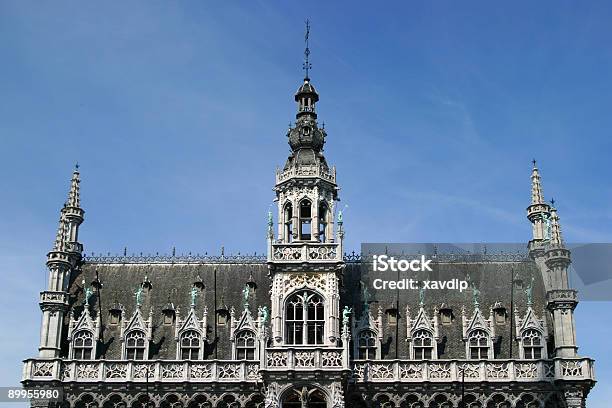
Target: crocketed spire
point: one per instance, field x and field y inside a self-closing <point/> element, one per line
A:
<point x="537" y="195"/>
<point x="556" y="237"/>
<point x="62" y="233"/>
<point x="74" y="198"/>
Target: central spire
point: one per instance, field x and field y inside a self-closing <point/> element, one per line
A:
<point x="307" y="65"/>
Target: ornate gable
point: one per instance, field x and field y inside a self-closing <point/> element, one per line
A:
<point x="530" y="321"/>
<point x="421" y="322"/>
<point x="137" y="322"/>
<point x="246" y="322"/>
<point x="84" y="322"/>
<point x="477" y="322"/>
<point x="191" y="322"/>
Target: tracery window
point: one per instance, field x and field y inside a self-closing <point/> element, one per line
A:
<point x="135" y="345"/>
<point x="478" y="343"/>
<point x="367" y="345"/>
<point x="532" y="344"/>
<point x="304" y="318"/>
<point x="245" y="345"/>
<point x="82" y="345"/>
<point x="422" y="345"/>
<point x="190" y="345"/>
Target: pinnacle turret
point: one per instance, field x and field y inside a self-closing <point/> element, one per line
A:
<point x="60" y="236"/>
<point x="539" y="211"/>
<point x="556" y="237"/>
<point x="537" y="195"/>
<point x="71" y="217"/>
<point x="74" y="199"/>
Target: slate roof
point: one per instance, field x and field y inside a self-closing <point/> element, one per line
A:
<point x="224" y="282"/>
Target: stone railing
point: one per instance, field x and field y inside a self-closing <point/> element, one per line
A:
<point x="140" y="371"/>
<point x="306" y="172"/>
<point x="475" y="371"/>
<point x="304" y="359"/>
<point x="306" y="251"/>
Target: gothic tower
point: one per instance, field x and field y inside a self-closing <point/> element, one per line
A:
<point x="548" y="250"/>
<point x="61" y="260"/>
<point x="305" y="264"/>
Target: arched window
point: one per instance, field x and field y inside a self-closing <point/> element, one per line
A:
<point x="288" y="222"/>
<point x="86" y="401"/>
<point x="422" y="345"/>
<point x="498" y="401"/>
<point x="532" y="344"/>
<point x="297" y="398"/>
<point x="367" y="345"/>
<point x="82" y="345"/>
<point x="245" y="345"/>
<point x="305" y="219"/>
<point x="190" y="345"/>
<point x="115" y="401"/>
<point x="323" y="222"/>
<point x="135" y="345"/>
<point x="304" y="318"/>
<point x="478" y="343"/>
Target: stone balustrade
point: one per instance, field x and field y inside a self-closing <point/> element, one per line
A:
<point x="140" y="371"/>
<point x="298" y="252"/>
<point x="306" y="172"/>
<point x="321" y="359"/>
<point x="304" y="359"/>
<point x="473" y="371"/>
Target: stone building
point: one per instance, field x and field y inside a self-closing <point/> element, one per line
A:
<point x="300" y="326"/>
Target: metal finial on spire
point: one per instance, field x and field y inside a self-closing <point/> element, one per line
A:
<point x="552" y="202"/>
<point x="307" y="65"/>
<point x="534" y="162"/>
<point x="76" y="166"/>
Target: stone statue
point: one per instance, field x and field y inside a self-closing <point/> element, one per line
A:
<point x="421" y="295"/>
<point x="346" y="312"/>
<point x="88" y="293"/>
<point x="366" y="297"/>
<point x="271" y="400"/>
<point x="245" y="295"/>
<point x="529" y="292"/>
<point x="475" y="294"/>
<point x="138" y="296"/>
<point x="263" y="314"/>
<point x="194" y="295"/>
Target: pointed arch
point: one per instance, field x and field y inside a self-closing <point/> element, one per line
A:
<point x="304" y="312"/>
<point x="422" y="335"/>
<point x="305" y="219"/>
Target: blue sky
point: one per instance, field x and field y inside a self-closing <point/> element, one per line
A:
<point x="177" y="113"/>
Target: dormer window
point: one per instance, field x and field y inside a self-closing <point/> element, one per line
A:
<point x="114" y="315"/>
<point x="222" y="317"/>
<point x="83" y="345"/>
<point x="391" y="317"/>
<point x="500" y="315"/>
<point x="446" y="315"/>
<point x="305" y="220"/>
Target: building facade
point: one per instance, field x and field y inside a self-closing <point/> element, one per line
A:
<point x="301" y="326"/>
